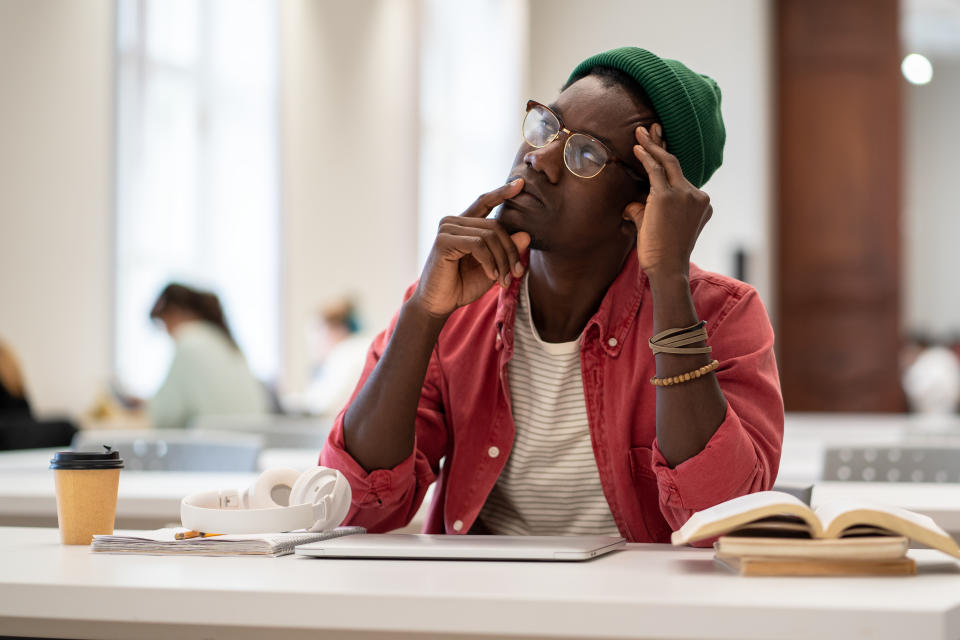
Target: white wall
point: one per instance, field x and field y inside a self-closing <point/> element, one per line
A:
<point x="729" y="41"/>
<point x="349" y="131"/>
<point x="931" y="213"/>
<point x="56" y="207"/>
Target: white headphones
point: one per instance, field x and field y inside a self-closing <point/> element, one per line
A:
<point x="280" y="500"/>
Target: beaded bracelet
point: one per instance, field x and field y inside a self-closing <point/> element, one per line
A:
<point x="685" y="377"/>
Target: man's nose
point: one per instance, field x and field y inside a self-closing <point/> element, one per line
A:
<point x="548" y="159"/>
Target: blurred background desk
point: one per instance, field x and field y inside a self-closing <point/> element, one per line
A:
<point x="808" y="436"/>
<point x="940" y="501"/>
<point x="146" y="500"/>
<point x="150" y="499"/>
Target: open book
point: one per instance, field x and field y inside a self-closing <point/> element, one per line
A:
<point x="164" y="542"/>
<point x="770" y="514"/>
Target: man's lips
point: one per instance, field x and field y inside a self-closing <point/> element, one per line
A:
<point x="525" y="199"/>
<point x="529" y="190"/>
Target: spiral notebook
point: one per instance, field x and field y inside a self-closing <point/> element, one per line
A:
<point x="164" y="542"/>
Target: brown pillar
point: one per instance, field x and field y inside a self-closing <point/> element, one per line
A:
<point x="838" y="204"/>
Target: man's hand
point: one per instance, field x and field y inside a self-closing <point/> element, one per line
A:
<point x="671" y="220"/>
<point x="469" y="255"/>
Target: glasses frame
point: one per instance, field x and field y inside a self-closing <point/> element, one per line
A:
<point x="612" y="158"/>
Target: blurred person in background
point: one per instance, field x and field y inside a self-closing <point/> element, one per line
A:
<point x="340" y="351"/>
<point x="931" y="375"/>
<point x="209" y="374"/>
<point x="18" y="428"/>
<point x="13" y="394"/>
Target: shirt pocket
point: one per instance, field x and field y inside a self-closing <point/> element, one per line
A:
<point x="647" y="492"/>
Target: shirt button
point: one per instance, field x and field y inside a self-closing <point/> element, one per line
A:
<point x="612" y="342"/>
<point x="458" y="525"/>
<point x="493" y="452"/>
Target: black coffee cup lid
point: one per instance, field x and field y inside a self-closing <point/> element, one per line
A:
<point x="87" y="459"/>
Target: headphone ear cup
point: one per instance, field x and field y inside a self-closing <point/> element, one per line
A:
<point x="329" y="487"/>
<point x="272" y="489"/>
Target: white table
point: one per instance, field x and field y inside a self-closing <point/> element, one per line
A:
<point x="645" y="591"/>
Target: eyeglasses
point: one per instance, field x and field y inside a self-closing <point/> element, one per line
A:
<point x="584" y="155"/>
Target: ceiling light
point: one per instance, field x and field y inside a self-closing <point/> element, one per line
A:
<point x="917" y="69"/>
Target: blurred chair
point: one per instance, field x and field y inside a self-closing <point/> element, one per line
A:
<point x="176" y="449"/>
<point x="23" y="432"/>
<point x="893" y="464"/>
<point x="277" y="431"/>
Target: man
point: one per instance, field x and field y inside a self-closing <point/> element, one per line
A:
<point x="549" y="408"/>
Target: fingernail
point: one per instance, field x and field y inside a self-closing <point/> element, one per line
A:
<point x="644" y="132"/>
<point x="517" y="181"/>
<point x="506" y="281"/>
<point x="518" y="269"/>
<point x="496" y="274"/>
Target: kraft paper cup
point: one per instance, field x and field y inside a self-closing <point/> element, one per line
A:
<point x="87" y="484"/>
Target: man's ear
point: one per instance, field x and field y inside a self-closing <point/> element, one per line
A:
<point x="656" y="132"/>
<point x="633" y="212"/>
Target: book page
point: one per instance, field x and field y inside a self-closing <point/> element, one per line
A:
<point x="732" y="514"/>
<point x="862" y="548"/>
<point x="841" y="515"/>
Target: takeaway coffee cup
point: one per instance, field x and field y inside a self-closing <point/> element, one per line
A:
<point x="86" y="493"/>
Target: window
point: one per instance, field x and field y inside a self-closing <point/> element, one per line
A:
<point x="197" y="175"/>
<point x="473" y="74"/>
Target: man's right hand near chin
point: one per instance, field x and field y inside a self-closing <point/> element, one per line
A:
<point x="470" y="254"/>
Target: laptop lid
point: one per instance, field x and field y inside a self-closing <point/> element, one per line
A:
<point x="453" y="547"/>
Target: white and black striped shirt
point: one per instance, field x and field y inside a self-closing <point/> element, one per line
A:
<point x="550" y="484"/>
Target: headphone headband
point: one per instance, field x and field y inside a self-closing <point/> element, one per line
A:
<point x="201" y="512"/>
<point x="320" y="497"/>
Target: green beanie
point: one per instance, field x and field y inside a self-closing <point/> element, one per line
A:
<point x="687" y="103"/>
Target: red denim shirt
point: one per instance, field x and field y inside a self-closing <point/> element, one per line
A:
<point x="464" y="418"/>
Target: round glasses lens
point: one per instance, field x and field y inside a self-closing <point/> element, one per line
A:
<point x="539" y="127"/>
<point x="585" y="157"/>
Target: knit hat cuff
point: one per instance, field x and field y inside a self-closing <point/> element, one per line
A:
<point x="672" y="101"/>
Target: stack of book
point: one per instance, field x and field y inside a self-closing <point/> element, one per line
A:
<point x="774" y="534"/>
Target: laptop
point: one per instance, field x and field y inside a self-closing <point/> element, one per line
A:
<point x="454" y="547"/>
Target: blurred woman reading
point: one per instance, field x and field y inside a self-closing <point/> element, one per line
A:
<point x="209" y="375"/>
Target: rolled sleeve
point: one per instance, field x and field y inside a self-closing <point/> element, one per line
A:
<point x="386" y="499"/>
<point x="380" y="488"/>
<point x="696" y="484"/>
<point x="743" y="455"/>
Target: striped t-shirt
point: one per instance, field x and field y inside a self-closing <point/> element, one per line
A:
<point x="550" y="484"/>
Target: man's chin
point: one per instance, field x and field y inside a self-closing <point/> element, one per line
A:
<point x="509" y="219"/>
<point x="513" y="221"/>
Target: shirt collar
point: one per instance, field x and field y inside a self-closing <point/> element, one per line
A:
<point x="613" y="319"/>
